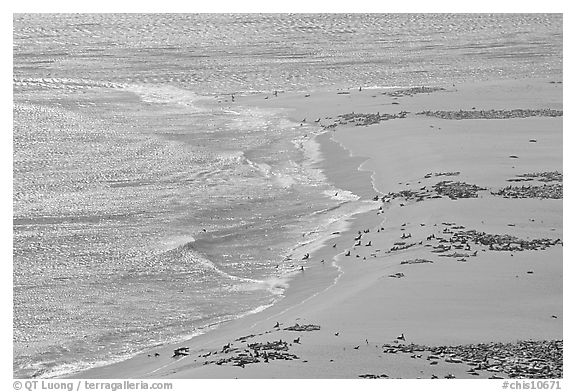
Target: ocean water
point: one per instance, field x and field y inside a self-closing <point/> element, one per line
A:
<point x="146" y="210"/>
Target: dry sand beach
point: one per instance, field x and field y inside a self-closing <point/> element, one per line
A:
<point x="455" y="272"/>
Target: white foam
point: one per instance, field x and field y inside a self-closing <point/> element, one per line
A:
<point x="64" y="83"/>
<point x="253" y="118"/>
<point x="174" y="242"/>
<point x="166" y="94"/>
<point x="71" y="368"/>
<point x="332" y="220"/>
<point x="285" y="180"/>
<point x="275" y="285"/>
<point x="263" y="168"/>
<point x="257" y="310"/>
<point x="341" y="195"/>
<point x="308" y="172"/>
<point x="211" y="266"/>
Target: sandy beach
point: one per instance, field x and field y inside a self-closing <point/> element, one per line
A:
<point x="455" y="271"/>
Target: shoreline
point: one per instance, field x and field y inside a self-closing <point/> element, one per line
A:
<point x="317" y="278"/>
<point x="353" y="305"/>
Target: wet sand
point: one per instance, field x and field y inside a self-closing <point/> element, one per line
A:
<point x="445" y="258"/>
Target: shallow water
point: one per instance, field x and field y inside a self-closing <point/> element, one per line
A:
<point x="145" y="210"/>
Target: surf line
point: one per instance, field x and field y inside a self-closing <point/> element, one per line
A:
<point x="162" y="367"/>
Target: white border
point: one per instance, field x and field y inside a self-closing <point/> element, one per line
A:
<point x="291" y="6"/>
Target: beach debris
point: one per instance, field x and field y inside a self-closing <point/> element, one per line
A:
<point x="278" y="345"/>
<point x="182" y="351"/>
<point x="409" y="92"/>
<point x="491" y="114"/>
<point x="303" y="328"/>
<point x="429" y="175"/>
<point x="548" y="191"/>
<point x="416" y="261"/>
<point x="441" y="248"/>
<point x="244" y="338"/>
<point x="401" y="247"/>
<point x="521" y="359"/>
<point x="457" y="190"/>
<point x="366" y="119"/>
<point x="453" y="190"/>
<point x="373" y="376"/>
<point x="396" y="275"/>
<point x="240" y="360"/>
<point x="542" y="177"/>
<point x="495" y="242"/>
<point x="455" y="254"/>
